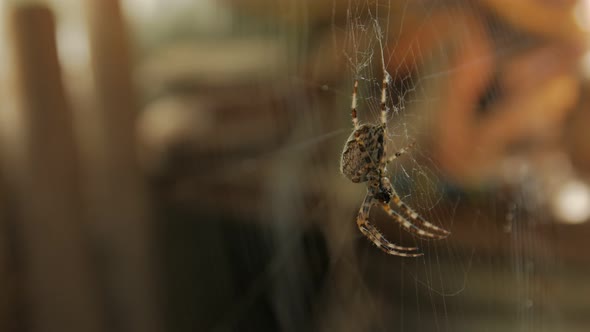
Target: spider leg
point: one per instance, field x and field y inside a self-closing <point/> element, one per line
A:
<point x="417" y="219"/>
<point x="375" y="236"/>
<point x="355" y="120"/>
<point x="400" y="153"/>
<point x="408" y="226"/>
<point x="384" y="83"/>
<point x="383" y="105"/>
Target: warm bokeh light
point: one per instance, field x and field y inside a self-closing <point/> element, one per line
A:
<point x="571" y="202"/>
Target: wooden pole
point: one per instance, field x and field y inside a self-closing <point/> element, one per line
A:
<point x="118" y="194"/>
<point x="41" y="166"/>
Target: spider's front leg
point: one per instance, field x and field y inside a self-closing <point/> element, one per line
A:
<point x="417" y="220"/>
<point x="375" y="236"/>
<point x="384" y="194"/>
<point x="410" y="227"/>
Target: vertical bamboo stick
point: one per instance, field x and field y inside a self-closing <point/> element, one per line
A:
<point x="41" y="166"/>
<point x="118" y="193"/>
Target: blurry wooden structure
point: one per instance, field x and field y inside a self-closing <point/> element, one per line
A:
<point x="83" y="245"/>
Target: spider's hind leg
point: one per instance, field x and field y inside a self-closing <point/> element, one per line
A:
<point x="353" y="106"/>
<point x="383" y="104"/>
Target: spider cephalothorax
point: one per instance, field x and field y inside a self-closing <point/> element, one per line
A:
<point x="364" y="159"/>
<point x="383" y="190"/>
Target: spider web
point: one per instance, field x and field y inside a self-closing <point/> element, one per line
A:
<point x="282" y="219"/>
<point x="417" y="298"/>
<point x="440" y="291"/>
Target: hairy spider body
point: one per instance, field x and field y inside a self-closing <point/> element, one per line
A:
<point x="356" y="157"/>
<point x="364" y="160"/>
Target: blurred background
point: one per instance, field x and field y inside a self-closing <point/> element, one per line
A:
<point x="174" y="165"/>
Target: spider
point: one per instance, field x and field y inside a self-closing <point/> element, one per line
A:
<point x="364" y="159"/>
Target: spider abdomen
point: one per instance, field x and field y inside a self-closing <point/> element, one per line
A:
<point x="360" y="160"/>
